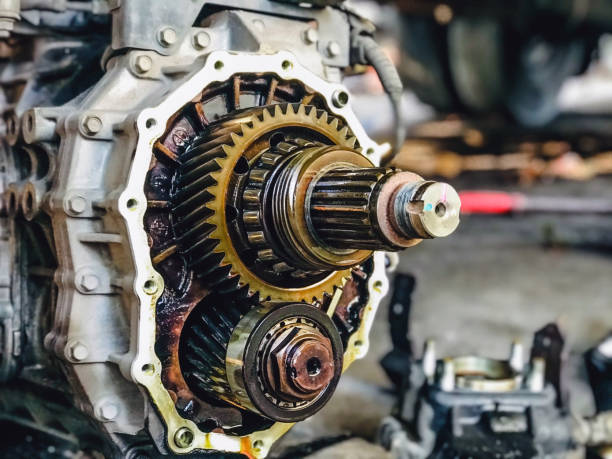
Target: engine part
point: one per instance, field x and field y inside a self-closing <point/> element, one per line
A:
<point x="193" y="235"/>
<point x="477" y="407"/>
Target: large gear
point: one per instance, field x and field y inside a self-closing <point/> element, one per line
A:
<point x="202" y="206"/>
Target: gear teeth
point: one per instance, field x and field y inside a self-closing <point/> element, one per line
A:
<point x="207" y="245"/>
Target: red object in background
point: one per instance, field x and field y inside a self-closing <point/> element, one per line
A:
<point x="490" y="202"/>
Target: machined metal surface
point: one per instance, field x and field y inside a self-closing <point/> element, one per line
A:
<point x="125" y="324"/>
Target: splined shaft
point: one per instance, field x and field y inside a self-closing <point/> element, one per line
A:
<point x="327" y="207"/>
<point x="379" y="209"/>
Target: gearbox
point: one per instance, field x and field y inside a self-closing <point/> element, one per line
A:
<point x="194" y="233"/>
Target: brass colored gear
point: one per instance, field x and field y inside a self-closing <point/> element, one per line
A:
<point x="238" y="139"/>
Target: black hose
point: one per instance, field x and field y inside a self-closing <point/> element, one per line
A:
<point x="368" y="52"/>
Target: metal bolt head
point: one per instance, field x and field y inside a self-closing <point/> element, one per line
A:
<point x="305" y="362"/>
<point x="108" y="411"/>
<point x="333" y="49"/>
<point x="143" y="64"/>
<point x="78" y="351"/>
<point x="92" y="125"/>
<point x="310" y="36"/>
<point x="201" y="40"/>
<point x="89" y="282"/>
<point x="150" y="287"/>
<point x="167" y="36"/>
<point x="340" y="98"/>
<point x="183" y="437"/>
<point x="77" y="204"/>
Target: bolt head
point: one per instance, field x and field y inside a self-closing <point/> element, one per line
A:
<point x="340" y="98"/>
<point x="310" y="36"/>
<point x="92" y="125"/>
<point x="78" y="351"/>
<point x="167" y="36"/>
<point x="108" y="411"/>
<point x="333" y="49"/>
<point x="89" y="282"/>
<point x="183" y="437"/>
<point x="143" y="64"/>
<point x="201" y="40"/>
<point x="305" y="365"/>
<point x="77" y="204"/>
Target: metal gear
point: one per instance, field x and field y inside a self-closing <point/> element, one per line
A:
<point x="213" y="162"/>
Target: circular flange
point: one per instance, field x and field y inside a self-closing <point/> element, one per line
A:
<point x="256" y="355"/>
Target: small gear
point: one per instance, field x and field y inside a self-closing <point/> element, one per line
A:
<point x="204" y="218"/>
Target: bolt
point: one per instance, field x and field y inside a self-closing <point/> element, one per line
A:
<point x="108" y="411"/>
<point x="77" y="204"/>
<point x="183" y="437"/>
<point x="92" y="125"/>
<point x="78" y="351"/>
<point x="167" y="36"/>
<point x="340" y="98"/>
<point x="89" y="282"/>
<point x="310" y="36"/>
<point x="201" y="40"/>
<point x="333" y="49"/>
<point x="143" y="64"/>
<point x="305" y="361"/>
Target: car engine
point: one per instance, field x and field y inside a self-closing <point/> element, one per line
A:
<point x="194" y="222"/>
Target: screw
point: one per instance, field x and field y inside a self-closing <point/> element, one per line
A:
<point x="78" y="351"/>
<point x="143" y="64"/>
<point x="77" y="204"/>
<point x="310" y="36"/>
<point x="89" y="282"/>
<point x="108" y="411"/>
<point x="201" y="40"/>
<point x="183" y="437"/>
<point x="167" y="36"/>
<point x="333" y="49"/>
<point x="340" y="98"/>
<point x="92" y="125"/>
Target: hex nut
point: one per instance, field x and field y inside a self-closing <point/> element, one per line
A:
<point x="143" y="63"/>
<point x="92" y="125"/>
<point x="201" y="40"/>
<point x="78" y="351"/>
<point x="167" y="36"/>
<point x="89" y="282"/>
<point x="77" y="204"/>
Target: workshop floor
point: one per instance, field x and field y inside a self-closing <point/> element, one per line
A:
<point x="496" y="280"/>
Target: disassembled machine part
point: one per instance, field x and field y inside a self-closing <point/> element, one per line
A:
<point x="477" y="407"/>
<point x="193" y="235"/>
